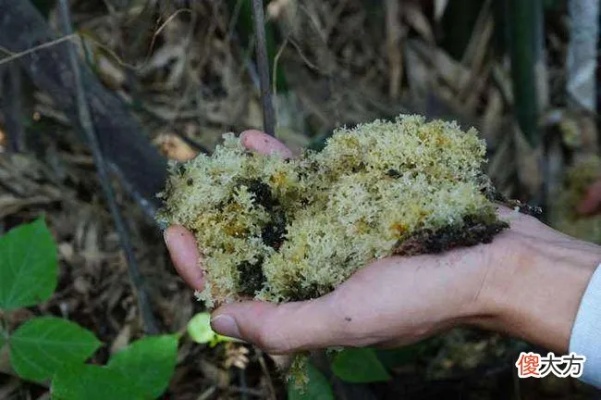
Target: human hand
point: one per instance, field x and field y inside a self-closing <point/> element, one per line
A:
<point x="591" y="203"/>
<point x="527" y="283"/>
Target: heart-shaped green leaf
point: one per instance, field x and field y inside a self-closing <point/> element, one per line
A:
<point x="152" y="359"/>
<point x="28" y="266"/>
<point x="199" y="328"/>
<point x="92" y="382"/>
<point x="42" y="346"/>
<point x="359" y="365"/>
<point x="392" y="358"/>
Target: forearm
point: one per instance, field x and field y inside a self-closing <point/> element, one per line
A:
<point x="536" y="291"/>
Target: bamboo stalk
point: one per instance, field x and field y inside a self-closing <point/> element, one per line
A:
<point x="525" y="28"/>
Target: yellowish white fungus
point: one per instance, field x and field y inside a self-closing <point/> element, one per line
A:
<point x="282" y="230"/>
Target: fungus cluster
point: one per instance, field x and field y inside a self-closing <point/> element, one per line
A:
<point x="283" y="230"/>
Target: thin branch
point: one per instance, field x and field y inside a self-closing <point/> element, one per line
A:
<point x="276" y="60"/>
<point x="85" y="120"/>
<point x="14" y="56"/>
<point x="267" y="374"/>
<point x="243" y="386"/>
<point x="263" y="65"/>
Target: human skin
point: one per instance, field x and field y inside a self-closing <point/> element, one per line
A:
<point x="527" y="283"/>
<point x="591" y="203"/>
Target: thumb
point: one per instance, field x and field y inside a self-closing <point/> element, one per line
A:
<point x="284" y="328"/>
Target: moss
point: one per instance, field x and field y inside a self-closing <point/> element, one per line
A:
<point x="311" y="291"/>
<point x="283" y="230"/>
<point x="261" y="192"/>
<point x="274" y="231"/>
<point x="251" y="278"/>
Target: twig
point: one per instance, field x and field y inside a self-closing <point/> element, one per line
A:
<point x="267" y="374"/>
<point x="394" y="34"/>
<point x="276" y="60"/>
<point x="85" y="120"/>
<point x="14" y="56"/>
<point x="263" y="65"/>
<point x="243" y="386"/>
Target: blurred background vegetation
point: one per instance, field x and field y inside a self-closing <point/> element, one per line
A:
<point x="166" y="78"/>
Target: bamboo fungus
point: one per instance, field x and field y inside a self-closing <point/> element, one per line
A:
<point x="282" y="230"/>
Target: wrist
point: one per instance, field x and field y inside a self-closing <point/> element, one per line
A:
<point x="536" y="287"/>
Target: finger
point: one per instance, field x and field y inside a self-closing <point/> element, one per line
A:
<point x="592" y="200"/>
<point x="284" y="328"/>
<point x="263" y="143"/>
<point x="184" y="254"/>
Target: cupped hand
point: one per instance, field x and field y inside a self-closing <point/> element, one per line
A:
<point x="401" y="300"/>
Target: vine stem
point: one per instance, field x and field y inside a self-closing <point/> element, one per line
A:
<point x="86" y="124"/>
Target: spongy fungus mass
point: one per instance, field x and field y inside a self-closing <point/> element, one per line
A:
<point x="283" y="230"/>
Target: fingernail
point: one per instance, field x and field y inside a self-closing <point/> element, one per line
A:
<point x="225" y="325"/>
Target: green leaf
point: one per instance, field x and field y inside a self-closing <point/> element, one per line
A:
<point x="393" y="358"/>
<point x="152" y="360"/>
<point x="28" y="266"/>
<point x="92" y="382"/>
<point x="318" y="387"/>
<point x="359" y="365"/>
<point x="42" y="346"/>
<point x="199" y="328"/>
